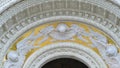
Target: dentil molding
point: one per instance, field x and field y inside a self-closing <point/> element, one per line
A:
<point x="20" y="17"/>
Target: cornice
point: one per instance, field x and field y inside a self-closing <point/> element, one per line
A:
<point x="4" y="4"/>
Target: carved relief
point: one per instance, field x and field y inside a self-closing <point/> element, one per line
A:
<point x="40" y="15"/>
<point x="63" y="31"/>
<point x="108" y="52"/>
<point x="60" y="5"/>
<point x="16" y="59"/>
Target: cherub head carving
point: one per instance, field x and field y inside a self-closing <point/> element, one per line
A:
<point x="12" y="56"/>
<point x="111" y="50"/>
<point x="62" y="27"/>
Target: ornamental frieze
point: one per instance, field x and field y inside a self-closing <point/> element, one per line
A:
<point x="43" y="35"/>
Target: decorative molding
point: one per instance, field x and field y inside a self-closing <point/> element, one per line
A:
<point x="59" y="33"/>
<point x="112" y="27"/>
<point x="62" y="50"/>
<point x="87" y="4"/>
<point x="16" y="58"/>
<point x="56" y="18"/>
<point x="4" y="4"/>
<point x="115" y="2"/>
<point x="108" y="52"/>
<point x="14" y="22"/>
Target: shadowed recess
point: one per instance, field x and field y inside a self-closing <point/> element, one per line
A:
<point x="65" y="63"/>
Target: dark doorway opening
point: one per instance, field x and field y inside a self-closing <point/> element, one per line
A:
<point x="65" y="63"/>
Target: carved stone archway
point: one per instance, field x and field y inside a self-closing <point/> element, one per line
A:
<point x="19" y="16"/>
<point x="65" y="50"/>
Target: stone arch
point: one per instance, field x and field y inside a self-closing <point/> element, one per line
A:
<point x="14" y="22"/>
<point x="65" y="50"/>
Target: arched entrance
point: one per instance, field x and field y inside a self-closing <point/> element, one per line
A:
<point x="65" y="63"/>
